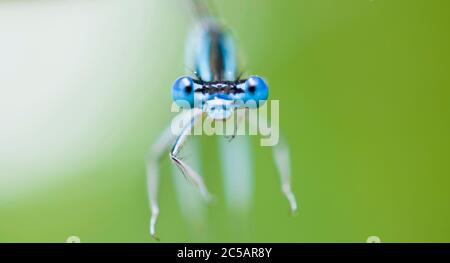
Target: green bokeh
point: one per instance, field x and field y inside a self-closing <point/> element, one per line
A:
<point x="364" y="100"/>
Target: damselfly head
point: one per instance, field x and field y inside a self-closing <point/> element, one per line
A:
<point x="220" y="98"/>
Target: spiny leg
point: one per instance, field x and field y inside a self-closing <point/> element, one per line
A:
<point x="281" y="157"/>
<point x="185" y="169"/>
<point x="236" y="121"/>
<point x="154" y="156"/>
<point x="231" y="137"/>
<point x="191" y="203"/>
<point x="153" y="159"/>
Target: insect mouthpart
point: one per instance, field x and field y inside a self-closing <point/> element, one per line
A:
<point x="219" y="109"/>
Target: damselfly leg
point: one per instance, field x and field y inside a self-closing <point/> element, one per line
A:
<point x="157" y="151"/>
<point x="281" y="157"/>
<point x="185" y="169"/>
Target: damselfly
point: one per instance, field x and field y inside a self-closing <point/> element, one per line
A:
<point x="215" y="92"/>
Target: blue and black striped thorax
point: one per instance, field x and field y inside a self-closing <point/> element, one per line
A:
<point x="215" y="58"/>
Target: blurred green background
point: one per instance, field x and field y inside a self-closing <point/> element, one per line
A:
<point x="364" y="100"/>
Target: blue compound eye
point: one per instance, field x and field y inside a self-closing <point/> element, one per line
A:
<point x="183" y="92"/>
<point x="256" y="91"/>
